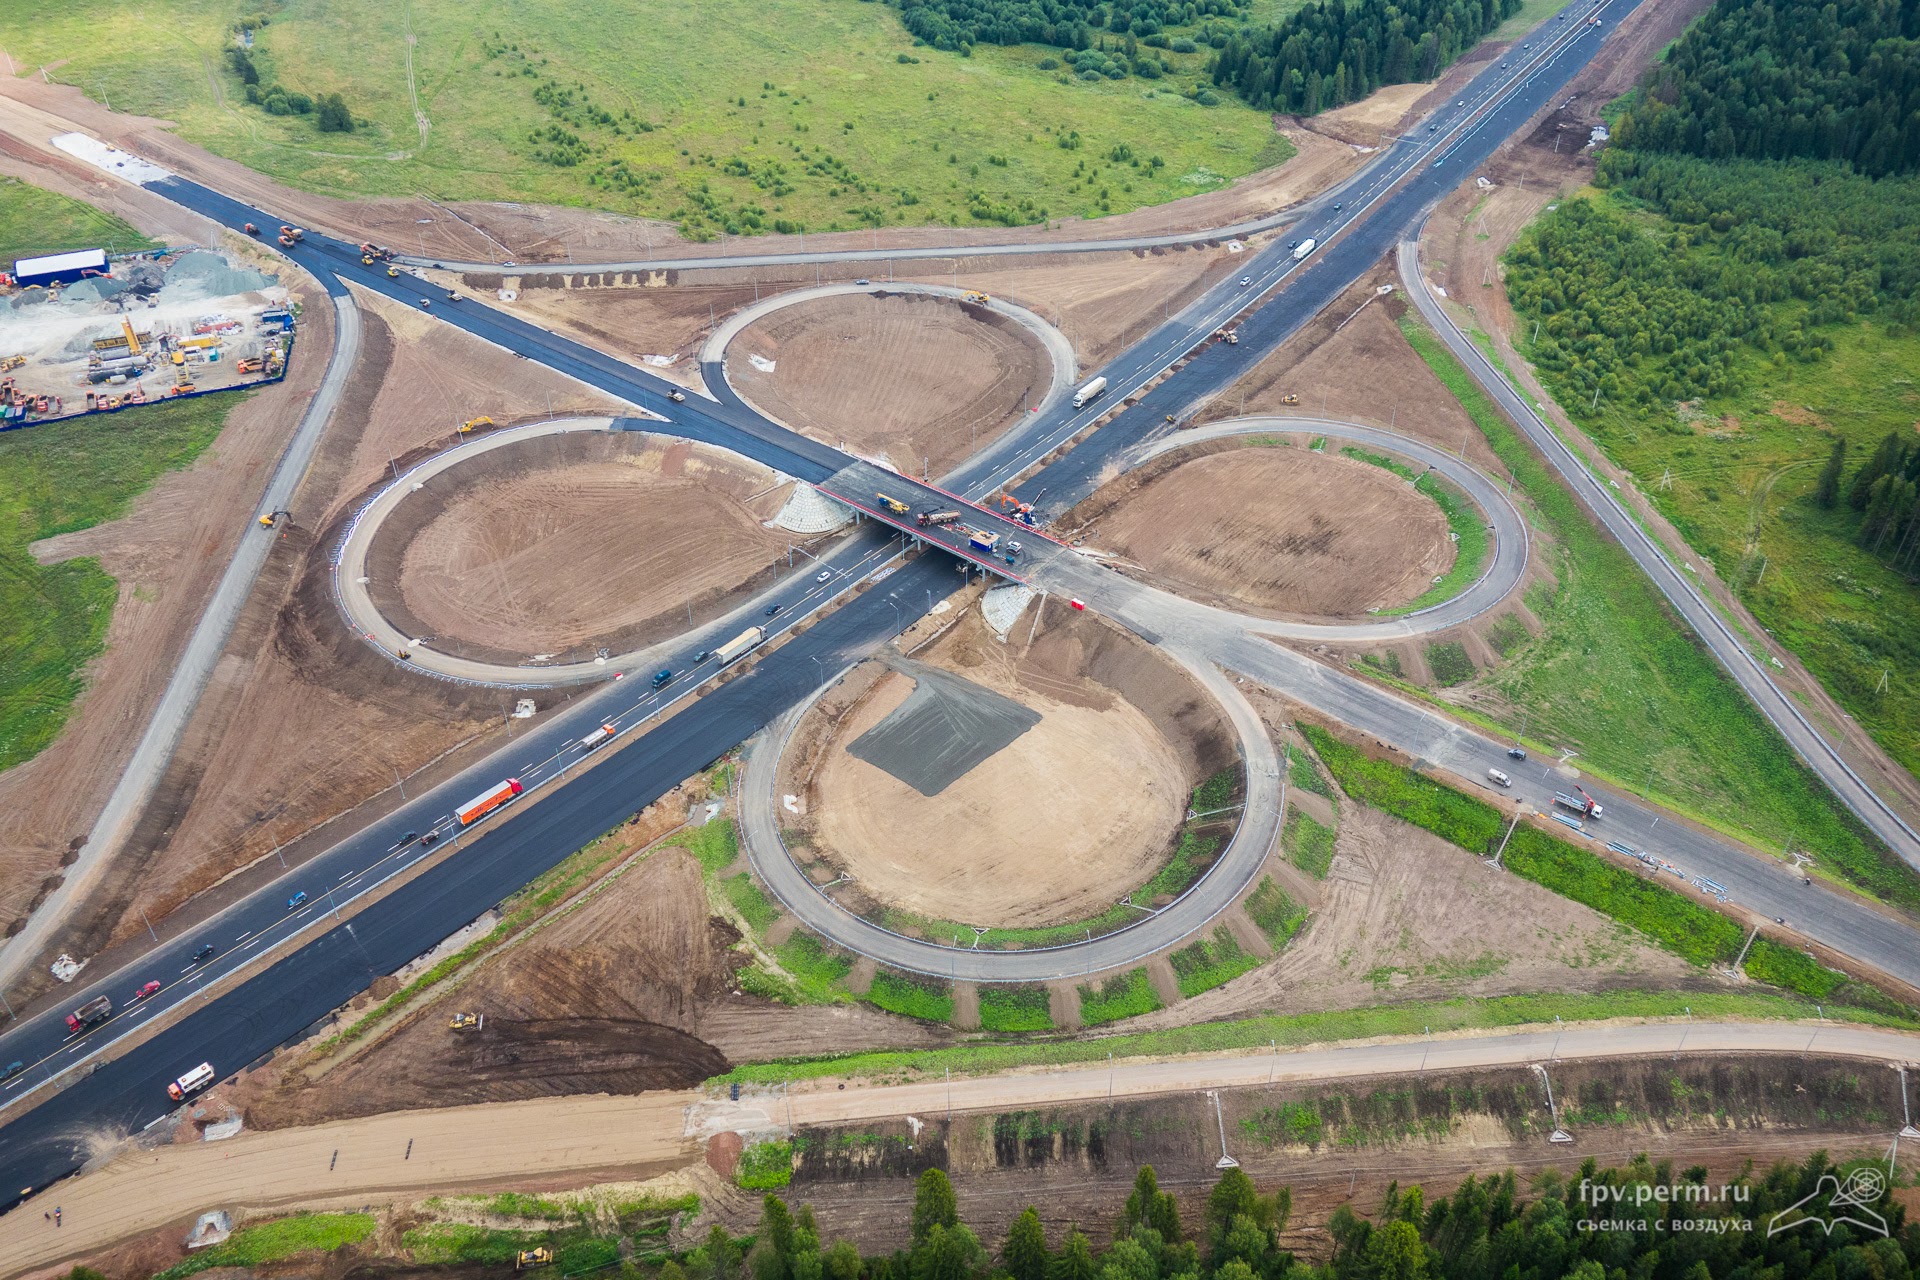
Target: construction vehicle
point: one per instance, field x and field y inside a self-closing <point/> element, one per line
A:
<point x="12" y="362"/>
<point x="286" y="242"/>
<point x="1230" y="336"/>
<point x="1290" y="399"/>
<point x="1088" y="392"/>
<point x="251" y="229"/>
<point x="92" y="1013"/>
<point x="184" y="387"/>
<point x="930" y="519"/>
<point x="393" y="273"/>
<point x="1584" y="805"/>
<point x="471" y="423"/>
<point x="598" y="738"/>
<point x="250" y="364"/>
<point x="740" y="646"/>
<point x="296" y="233"/>
<point x="974" y="296"/>
<point x="366" y="259"/>
<point x="133" y="339"/>
<point x="487" y="801"/>
<point x="464" y="1022"/>
<point x="1305" y="247"/>
<point x="894" y="505"/>
<point x="532" y="1258"/>
<point x="272" y="518"/>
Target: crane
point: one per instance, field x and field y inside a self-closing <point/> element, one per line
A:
<point x="133" y="343"/>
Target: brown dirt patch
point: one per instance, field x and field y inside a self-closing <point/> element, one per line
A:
<point x="1101" y="783"/>
<point x="918" y="379"/>
<point x="643" y="317"/>
<point x="562" y="544"/>
<point x="1365" y="122"/>
<point x="1277" y="531"/>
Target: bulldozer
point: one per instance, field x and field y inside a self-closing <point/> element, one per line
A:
<point x="974" y="296"/>
<point x="539" y="1257"/>
<point x="1292" y="399"/>
<point x="464" y="1022"/>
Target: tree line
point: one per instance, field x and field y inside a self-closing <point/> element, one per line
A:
<point x="1338" y="51"/>
<point x="1885" y="491"/>
<point x="957" y="25"/>
<point x="1779" y="79"/>
<point x="1682" y="1228"/>
<point x="329" y="110"/>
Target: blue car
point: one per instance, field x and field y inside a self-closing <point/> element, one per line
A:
<point x="297" y="900"/>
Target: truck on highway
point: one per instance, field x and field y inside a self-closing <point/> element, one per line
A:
<point x="740" y="646"/>
<point x="487" y="801"/>
<point x="894" y="505"/>
<point x="929" y="519"/>
<point x="1583" y="804"/>
<point x="1302" y="249"/>
<point x="598" y="738"/>
<point x="983" y="541"/>
<point x="191" y="1083"/>
<point x="93" y="1011"/>
<point x="1088" y="392"/>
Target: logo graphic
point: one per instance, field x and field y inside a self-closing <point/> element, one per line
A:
<point x="1838" y="1202"/>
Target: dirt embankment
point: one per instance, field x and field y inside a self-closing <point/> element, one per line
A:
<point x="1337" y="1145"/>
<point x="1101" y="782"/>
<point x="1274" y="528"/>
<point x="919" y="380"/>
<point x="556" y="546"/>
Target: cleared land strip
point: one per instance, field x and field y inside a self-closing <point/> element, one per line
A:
<point x="509" y="1144"/>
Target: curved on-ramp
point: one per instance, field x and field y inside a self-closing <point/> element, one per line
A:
<point x="1230" y="874"/>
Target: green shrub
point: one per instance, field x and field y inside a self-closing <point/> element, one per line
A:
<point x="1015" y="1008"/>
<point x="1302" y="772"/>
<point x="1277" y="914"/>
<point x="818" y="974"/>
<point x="715" y="844"/>
<point x="1450" y="663"/>
<point x="758" y="910"/>
<point x="282" y="1238"/>
<point x="1125" y="995"/>
<point x="765" y="1166"/>
<point x="1203" y="965"/>
<point x="1308" y="845"/>
<point x="1455" y="818"/>
<point x="1218" y="791"/>
<point x="927" y="999"/>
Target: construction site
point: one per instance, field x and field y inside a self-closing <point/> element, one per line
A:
<point x="136" y="329"/>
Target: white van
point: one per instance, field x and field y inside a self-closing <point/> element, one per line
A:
<point x="1499" y="778"/>
<point x="192" y="1082"/>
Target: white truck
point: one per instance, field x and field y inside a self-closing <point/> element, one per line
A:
<point x="1088" y="392"/>
<point x="1302" y="249"/>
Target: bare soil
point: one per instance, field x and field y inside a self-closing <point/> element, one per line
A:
<point x="1101" y="783"/>
<point x="562" y="544"/>
<point x="1279" y="531"/>
<point x="918" y="380"/>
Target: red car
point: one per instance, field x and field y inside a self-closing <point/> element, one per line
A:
<point x="152" y="988"/>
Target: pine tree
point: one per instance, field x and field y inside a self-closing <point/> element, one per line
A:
<point x="1075" y="1261"/>
<point x="934" y="1205"/>
<point x="1827" y="492"/>
<point x="1025" y="1252"/>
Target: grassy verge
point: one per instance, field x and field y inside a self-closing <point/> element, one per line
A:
<point x="754" y="906"/>
<point x="1303" y="773"/>
<point x="844" y="121"/>
<point x="1205" y="963"/>
<point x="273" y="1241"/>
<point x="928" y="999"/>
<point x="1614" y="676"/>
<point x="34" y="221"/>
<point x="1275" y="912"/>
<point x="1307" y="844"/>
<point x="1465" y="522"/>
<point x="1015" y="1008"/>
<point x="1125" y="995"/>
<point x="1463" y="1014"/>
<point x="55" y="479"/>
<point x="1670" y="920"/>
<point x="765" y="1166"/>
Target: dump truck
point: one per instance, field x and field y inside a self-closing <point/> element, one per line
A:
<point x="1088" y="392"/>
<point x="487" y="801"/>
<point x="894" y="505"/>
<point x="598" y="738"/>
<point x="983" y="541"/>
<point x="1302" y="249"/>
<point x="1583" y="804"/>
<point x="930" y="519"/>
<point x="96" y="1010"/>
<point x="740" y="646"/>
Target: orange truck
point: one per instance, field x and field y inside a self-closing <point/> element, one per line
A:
<point x="487" y="801"/>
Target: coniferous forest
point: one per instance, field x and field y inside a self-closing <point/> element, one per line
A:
<point x="1491" y="1229"/>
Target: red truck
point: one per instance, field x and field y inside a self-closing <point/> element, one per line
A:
<point x="94" y="1011"/>
<point x="487" y="801"/>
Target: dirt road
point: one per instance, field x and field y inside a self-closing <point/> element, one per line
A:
<point x="356" y="1161"/>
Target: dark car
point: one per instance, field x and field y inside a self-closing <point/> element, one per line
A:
<point x="702" y="656"/>
<point x="149" y="989"/>
<point x="661" y="676"/>
<point x="297" y="900"/>
<point x="409" y="838"/>
<point x="773" y="609"/>
<point x="1516" y="753"/>
<point x="430" y="839"/>
<point x="1336" y="208"/>
<point x="206" y="952"/>
<point x="13" y="1069"/>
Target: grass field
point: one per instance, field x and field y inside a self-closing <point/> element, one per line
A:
<point x="54" y="479"/>
<point x="271" y="1241"/>
<point x="34" y="220"/>
<point x="1614" y="678"/>
<point x="727" y="114"/>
